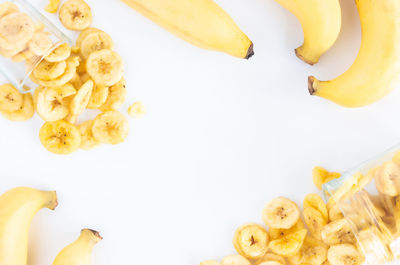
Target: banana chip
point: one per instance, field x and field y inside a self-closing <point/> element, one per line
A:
<point x="59" y="54"/>
<point x="116" y="96"/>
<point x="81" y="98"/>
<point x="288" y="245"/>
<point x="338" y="232"/>
<point x="387" y="179"/>
<point x="105" y="67"/>
<point x="344" y="254"/>
<point x="313" y="252"/>
<point x="52" y="6"/>
<point x="281" y="213"/>
<point x="87" y="139"/>
<point x="60" y="137"/>
<point x="321" y="176"/>
<point x="7" y="8"/>
<point x="137" y="110"/>
<point x="209" y="262"/>
<point x="235" y="260"/>
<point x="24" y="113"/>
<point x="251" y="241"/>
<point x="16" y="29"/>
<point x="10" y="98"/>
<point x="75" y="15"/>
<point x="315" y="201"/>
<point x="40" y="44"/>
<point x="271" y="259"/>
<point x="69" y="73"/>
<point x="95" y="41"/>
<point x="110" y="127"/>
<point x="315" y="221"/>
<point x="275" y="233"/>
<point x="47" y="71"/>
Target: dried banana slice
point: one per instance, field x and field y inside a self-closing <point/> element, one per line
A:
<point x="23" y="56"/>
<point x="344" y="254"/>
<point x="7" y="8"/>
<point x="10" y="98"/>
<point x="275" y="233"/>
<point x="209" y="262"/>
<point x="81" y="98"/>
<point x="334" y="211"/>
<point x="313" y="252"/>
<point x="69" y="73"/>
<point x="75" y="15"/>
<point x="76" y="81"/>
<point x="49" y="71"/>
<point x="315" y="201"/>
<point x="321" y="176"/>
<point x="60" y="137"/>
<point x="40" y="44"/>
<point x="271" y="259"/>
<point x="338" y="232"/>
<point x="24" y="113"/>
<point x="235" y="260"/>
<point x="137" y="110"/>
<point x="50" y="105"/>
<point x="288" y="245"/>
<point x="116" y="96"/>
<point x="281" y="213"/>
<point x="84" y="34"/>
<point x="59" y="54"/>
<point x="105" y="67"/>
<point x="95" y="41"/>
<point x="16" y="29"/>
<point x="110" y="127"/>
<point x="52" y="6"/>
<point x="99" y="94"/>
<point x="315" y="221"/>
<point x="387" y="179"/>
<point x="9" y="53"/>
<point x="251" y="241"/>
<point x="87" y="139"/>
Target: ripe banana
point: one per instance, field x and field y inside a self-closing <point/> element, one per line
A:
<point x="80" y="251"/>
<point x="321" y="22"/>
<point x="376" y="70"/>
<point x="17" y="208"/>
<point x="199" y="22"/>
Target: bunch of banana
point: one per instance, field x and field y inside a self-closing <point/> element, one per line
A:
<point x="199" y="22"/>
<point x="18" y="206"/>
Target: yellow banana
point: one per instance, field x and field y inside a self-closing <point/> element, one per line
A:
<point x="321" y="22"/>
<point x="80" y="251"/>
<point x="199" y="22"/>
<point x="376" y="69"/>
<point x="17" y="208"/>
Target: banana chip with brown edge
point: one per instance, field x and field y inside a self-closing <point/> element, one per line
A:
<point x="288" y="245"/>
<point x="24" y="113"/>
<point x="10" y="98"/>
<point x="60" y="137"/>
<point x="110" y="127"/>
<point x="75" y="15"/>
<point x="251" y="241"/>
<point x="105" y="67"/>
<point x="281" y="213"/>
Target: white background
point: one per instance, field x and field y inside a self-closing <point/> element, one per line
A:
<point x="221" y="138"/>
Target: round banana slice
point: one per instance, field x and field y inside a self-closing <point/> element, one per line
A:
<point x="75" y="15"/>
<point x="387" y="179"/>
<point x="209" y="262"/>
<point x="23" y="56"/>
<point x="105" y="67"/>
<point x="40" y="44"/>
<point x="275" y="233"/>
<point x="235" y="260"/>
<point x="288" y="245"/>
<point x="281" y="213"/>
<point x="270" y="257"/>
<point x="36" y="93"/>
<point x="84" y="34"/>
<point x="52" y="6"/>
<point x="76" y="81"/>
<point x="49" y="71"/>
<point x="334" y="211"/>
<point x="116" y="96"/>
<point x="81" y="99"/>
<point x="9" y="53"/>
<point x="251" y="241"/>
<point x="313" y="252"/>
<point x="321" y="176"/>
<point x="16" y="29"/>
<point x="50" y="105"/>
<point x="60" y="137"/>
<point x="137" y="110"/>
<point x="95" y="41"/>
<point x="24" y="113"/>
<point x="99" y="94"/>
<point x="87" y="139"/>
<point x="59" y="54"/>
<point x="10" y="98"/>
<point x="110" y="127"/>
<point x="7" y="8"/>
<point x="337" y="232"/>
<point x="344" y="254"/>
<point x="315" y="201"/>
<point x="69" y="73"/>
<point x="314" y="221"/>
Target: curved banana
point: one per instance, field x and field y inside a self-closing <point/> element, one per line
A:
<point x="80" y="251"/>
<point x="199" y="22"/>
<point x="376" y="69"/>
<point x="321" y="22"/>
<point x="17" y="208"/>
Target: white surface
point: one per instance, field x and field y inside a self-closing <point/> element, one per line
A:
<point x="222" y="137"/>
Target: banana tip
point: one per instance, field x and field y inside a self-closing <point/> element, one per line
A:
<point x="301" y="57"/>
<point x="54" y="201"/>
<point x="311" y="88"/>
<point x="95" y="233"/>
<point x="250" y="51"/>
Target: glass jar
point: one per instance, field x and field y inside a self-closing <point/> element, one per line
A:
<point x="368" y="195"/>
<point x="21" y="53"/>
